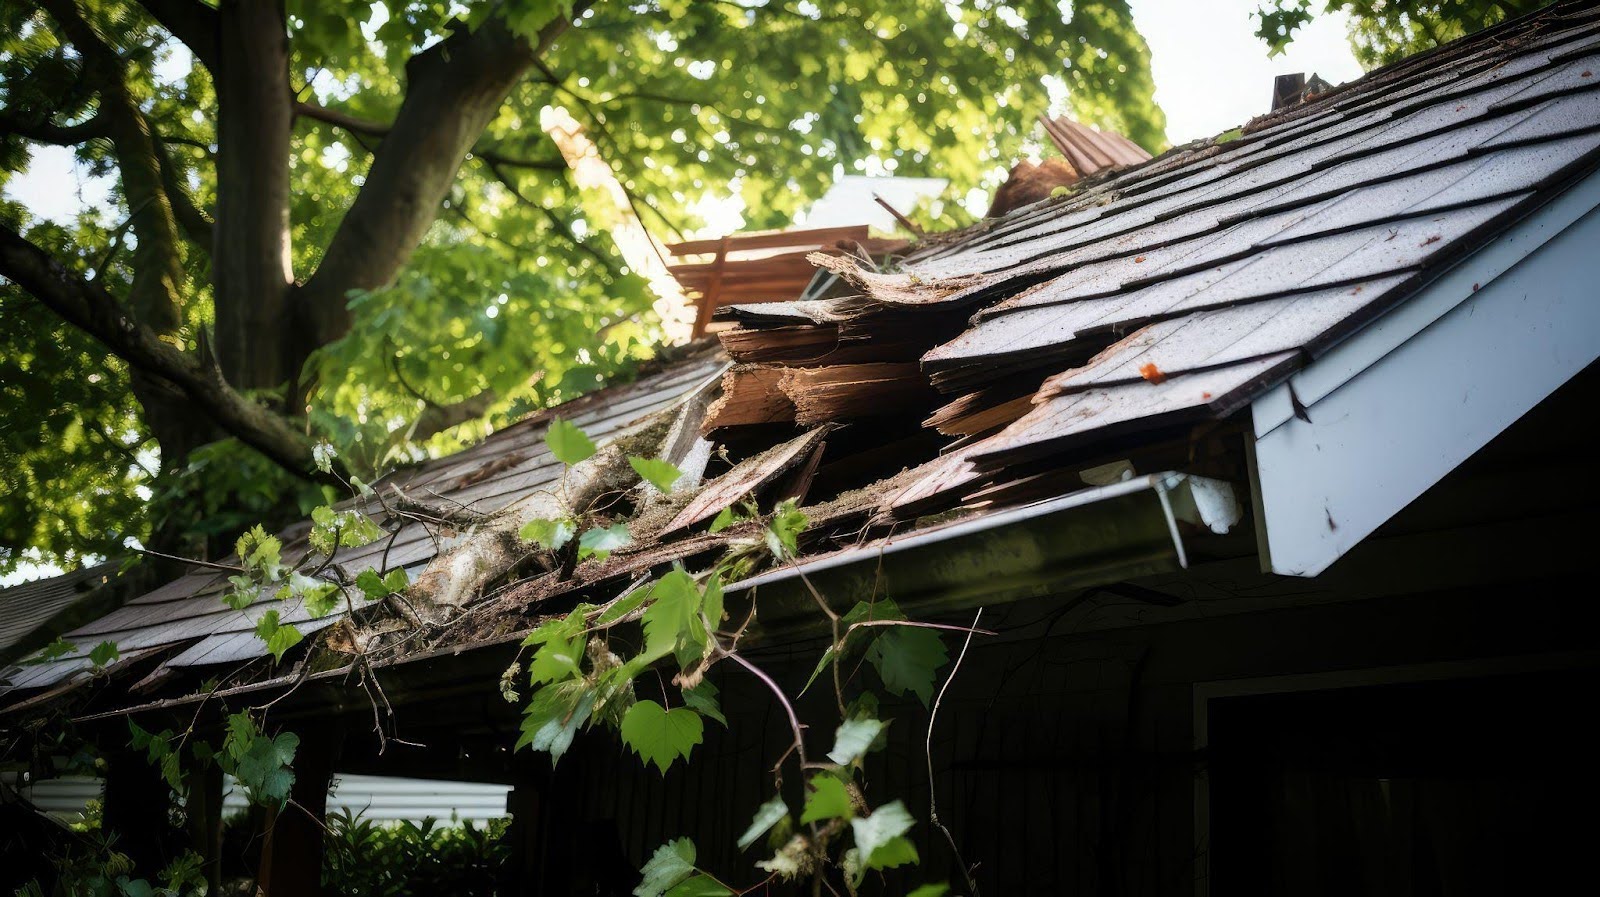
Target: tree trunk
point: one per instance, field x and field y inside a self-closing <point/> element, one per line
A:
<point x="453" y="90"/>
<point x="250" y="257"/>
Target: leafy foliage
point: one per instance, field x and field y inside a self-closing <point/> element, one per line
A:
<point x="853" y="739"/>
<point x="828" y="800"/>
<point x="659" y="735"/>
<point x="411" y="859"/>
<point x="104" y="654"/>
<point x="878" y="837"/>
<point x="600" y="541"/>
<point x="551" y="534"/>
<point x="767" y="816"/>
<point x="658" y="473"/>
<point x="279" y="636"/>
<point x="1384" y="31"/>
<point x="670" y="864"/>
<point x="516" y="297"/>
<point x="569" y="444"/>
<point x="262" y="764"/>
<point x="332" y="529"/>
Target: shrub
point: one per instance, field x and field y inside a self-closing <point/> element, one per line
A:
<point x="366" y="859"/>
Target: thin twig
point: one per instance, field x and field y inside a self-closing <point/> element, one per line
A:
<point x="788" y="708"/>
<point x="933" y="717"/>
<point x="230" y="568"/>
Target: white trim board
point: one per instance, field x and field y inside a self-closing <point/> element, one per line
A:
<point x="1400" y="404"/>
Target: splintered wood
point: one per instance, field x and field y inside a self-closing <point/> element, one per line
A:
<point x="756" y="268"/>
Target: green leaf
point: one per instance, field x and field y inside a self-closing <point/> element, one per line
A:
<point x="767" y="816"/>
<point x="828" y="799"/>
<point x="711" y="601"/>
<point x="332" y="530"/>
<point x="907" y="657"/>
<point x="661" y="736"/>
<point x="673" y="618"/>
<point x="54" y="651"/>
<point x="104" y="654"/>
<point x="560" y="657"/>
<point x="822" y="664"/>
<point x="623" y="606"/>
<point x="853" y="739"/>
<point x="319" y="596"/>
<point x="599" y="542"/>
<point x="671" y="863"/>
<point x="374" y="586"/>
<point x="567" y="442"/>
<point x="134" y="887"/>
<point x="934" y="889"/>
<point x="279" y="638"/>
<point x="875" y="835"/>
<point x="322" y="455"/>
<point x="260" y="552"/>
<point x="701" y="885"/>
<point x="265" y="768"/>
<point x="896" y="852"/>
<point x="783" y="530"/>
<point x="243" y="593"/>
<point x="702" y="699"/>
<point x="554" y="715"/>
<point x="658" y="473"/>
<point x="548" y="534"/>
<point x="724" y="519"/>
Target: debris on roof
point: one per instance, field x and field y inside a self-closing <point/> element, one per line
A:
<point x="762" y="267"/>
<point x="1119" y="328"/>
<point x="1091" y="150"/>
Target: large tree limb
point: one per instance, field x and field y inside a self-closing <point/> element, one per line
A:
<point x="250" y="256"/>
<point x="196" y="224"/>
<point x="190" y="21"/>
<point x="454" y="89"/>
<point x="42" y="130"/>
<point x="157" y="263"/>
<point x="96" y="312"/>
<point x="366" y="127"/>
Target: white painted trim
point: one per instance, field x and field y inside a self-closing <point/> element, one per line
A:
<point x="1402" y="403"/>
<point x="1364" y="349"/>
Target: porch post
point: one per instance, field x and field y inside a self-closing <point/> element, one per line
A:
<point x="204" y="810"/>
<point x="291" y="850"/>
<point x="136" y="803"/>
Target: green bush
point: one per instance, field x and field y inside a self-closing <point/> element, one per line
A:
<point x="367" y="859"/>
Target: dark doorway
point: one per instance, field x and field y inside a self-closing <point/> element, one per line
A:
<point x="1480" y="786"/>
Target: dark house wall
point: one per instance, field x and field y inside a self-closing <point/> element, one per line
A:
<point x="1413" y="722"/>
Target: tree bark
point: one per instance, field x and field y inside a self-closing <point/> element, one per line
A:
<point x="250" y="253"/>
<point x="453" y="90"/>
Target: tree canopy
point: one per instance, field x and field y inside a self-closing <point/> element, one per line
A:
<point x="345" y="222"/>
<point x="1384" y="31"/>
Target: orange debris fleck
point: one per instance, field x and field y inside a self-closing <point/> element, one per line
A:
<point x="1138" y="259"/>
<point x="1150" y="372"/>
<point x="1205" y="395"/>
